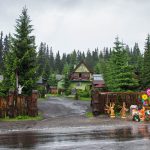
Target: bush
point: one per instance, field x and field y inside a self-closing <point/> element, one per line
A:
<point x="68" y="92"/>
<point x="83" y="93"/>
<point x="42" y="91"/>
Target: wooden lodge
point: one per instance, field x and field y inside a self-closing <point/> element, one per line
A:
<point x="81" y="76"/>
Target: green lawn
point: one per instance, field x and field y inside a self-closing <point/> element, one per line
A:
<point x="85" y="98"/>
<point x="69" y="96"/>
<point x="89" y="114"/>
<point x="22" y="118"/>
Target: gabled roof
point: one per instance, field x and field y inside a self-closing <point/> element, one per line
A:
<point x="82" y="62"/>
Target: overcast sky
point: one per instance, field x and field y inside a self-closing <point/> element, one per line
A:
<point x="81" y="24"/>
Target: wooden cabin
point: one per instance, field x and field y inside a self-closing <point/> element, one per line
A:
<point x="81" y="76"/>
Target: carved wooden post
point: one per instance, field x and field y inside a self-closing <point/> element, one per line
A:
<point x="32" y="104"/>
<point x="11" y="104"/>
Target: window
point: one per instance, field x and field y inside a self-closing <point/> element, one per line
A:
<point x="80" y="75"/>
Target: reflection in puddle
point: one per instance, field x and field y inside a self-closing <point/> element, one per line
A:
<point x="36" y="139"/>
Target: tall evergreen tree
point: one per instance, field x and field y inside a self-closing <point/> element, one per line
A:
<point x="64" y="59"/>
<point x="58" y="65"/>
<point x="137" y="62"/>
<point x="1" y="52"/>
<point x="47" y="69"/>
<point x="74" y="57"/>
<point x="24" y="54"/>
<point x="89" y="60"/>
<point x="41" y="59"/>
<point x="52" y="63"/>
<point x="7" y="44"/>
<point x="79" y="56"/>
<point x="146" y="65"/>
<point x="120" y="75"/>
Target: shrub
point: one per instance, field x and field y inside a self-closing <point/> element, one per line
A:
<point x="83" y="93"/>
<point x="42" y="91"/>
<point x="68" y="92"/>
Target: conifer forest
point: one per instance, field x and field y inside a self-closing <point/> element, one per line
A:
<point x="124" y="68"/>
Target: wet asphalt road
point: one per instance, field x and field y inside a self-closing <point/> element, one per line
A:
<point x="65" y="127"/>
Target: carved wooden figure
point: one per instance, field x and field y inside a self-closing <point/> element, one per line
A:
<point x="110" y="109"/>
<point x="123" y="111"/>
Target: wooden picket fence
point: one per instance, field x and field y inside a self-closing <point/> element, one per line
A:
<point x="100" y="99"/>
<point x="15" y="105"/>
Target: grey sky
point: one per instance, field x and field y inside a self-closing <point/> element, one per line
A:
<point x="81" y="24"/>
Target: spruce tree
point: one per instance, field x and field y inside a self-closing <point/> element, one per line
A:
<point x="1" y="52"/>
<point x="6" y="44"/>
<point x="41" y="59"/>
<point x="24" y="54"/>
<point x="120" y="75"/>
<point x="58" y="65"/>
<point x="52" y="63"/>
<point x="146" y="65"/>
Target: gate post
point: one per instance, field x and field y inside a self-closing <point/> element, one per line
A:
<point x="11" y="110"/>
<point x="32" y="104"/>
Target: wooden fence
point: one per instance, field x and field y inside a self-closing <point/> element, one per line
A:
<point x="100" y="99"/>
<point x="14" y="105"/>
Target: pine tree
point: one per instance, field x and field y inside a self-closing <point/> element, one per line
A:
<point x="6" y="44"/>
<point x="24" y="54"/>
<point x="137" y="59"/>
<point x="46" y="69"/>
<point x="66" y="83"/>
<point x="119" y="74"/>
<point x="146" y="65"/>
<point x="89" y="60"/>
<point x="58" y="64"/>
<point x="74" y="58"/>
<point x="79" y="56"/>
<point x="1" y="52"/>
<point x="51" y="57"/>
<point x="41" y="59"/>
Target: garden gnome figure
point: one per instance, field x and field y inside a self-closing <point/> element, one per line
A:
<point x="112" y="112"/>
<point x="123" y="110"/>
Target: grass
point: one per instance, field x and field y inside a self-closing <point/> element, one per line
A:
<point x="22" y="118"/>
<point x="46" y="96"/>
<point x="85" y="98"/>
<point x="69" y="96"/>
<point x="41" y="99"/>
<point x="89" y="114"/>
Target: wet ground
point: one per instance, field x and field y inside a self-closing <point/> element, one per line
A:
<point x="65" y="127"/>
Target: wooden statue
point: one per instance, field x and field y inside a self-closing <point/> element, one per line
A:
<point x="110" y="110"/>
<point x="123" y="110"/>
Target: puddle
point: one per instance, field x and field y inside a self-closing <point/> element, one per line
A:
<point x="78" y="138"/>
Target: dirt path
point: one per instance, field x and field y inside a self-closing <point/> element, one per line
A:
<point x="61" y="107"/>
<point x="60" y="112"/>
<point x="55" y="111"/>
